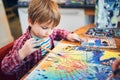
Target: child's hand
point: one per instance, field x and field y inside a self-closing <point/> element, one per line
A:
<point x="73" y="37"/>
<point x="27" y="48"/>
<point x="116" y="64"/>
<point x="116" y="67"/>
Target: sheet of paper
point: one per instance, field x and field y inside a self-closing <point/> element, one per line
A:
<point x="76" y="63"/>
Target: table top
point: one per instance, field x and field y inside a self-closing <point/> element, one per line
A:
<point x="81" y="32"/>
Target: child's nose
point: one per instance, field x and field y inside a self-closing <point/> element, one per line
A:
<point x="49" y="32"/>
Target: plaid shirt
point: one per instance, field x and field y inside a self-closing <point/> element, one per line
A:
<point x="13" y="65"/>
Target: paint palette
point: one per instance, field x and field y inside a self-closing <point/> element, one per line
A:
<point x="107" y="32"/>
<point x="75" y="64"/>
<point x="100" y="43"/>
<point x="96" y="32"/>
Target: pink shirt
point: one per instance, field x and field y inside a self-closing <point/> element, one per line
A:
<point x="13" y="65"/>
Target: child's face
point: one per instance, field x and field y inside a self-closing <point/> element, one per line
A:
<point x="41" y="31"/>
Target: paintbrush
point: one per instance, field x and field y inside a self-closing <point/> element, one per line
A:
<point x="51" y="51"/>
<point x="46" y="48"/>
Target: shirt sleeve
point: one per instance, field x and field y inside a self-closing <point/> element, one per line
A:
<point x="12" y="62"/>
<point x="59" y="34"/>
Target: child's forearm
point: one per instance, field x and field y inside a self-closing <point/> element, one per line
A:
<point x="116" y="67"/>
<point x="9" y="64"/>
<point x="116" y="64"/>
<point x="59" y="34"/>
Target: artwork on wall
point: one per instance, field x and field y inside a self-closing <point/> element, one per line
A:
<point x="75" y="63"/>
<point x="106" y="13"/>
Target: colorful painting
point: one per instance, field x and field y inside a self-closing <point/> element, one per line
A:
<point x="74" y="63"/>
<point x="100" y="42"/>
<point x="106" y="13"/>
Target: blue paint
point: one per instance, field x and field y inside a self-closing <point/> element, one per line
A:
<point x="95" y="56"/>
<point x="39" y="74"/>
<point x="59" y="54"/>
<point x="90" y="77"/>
<point x="91" y="44"/>
<point x="81" y="48"/>
<point x="77" y="48"/>
<point x="45" y="77"/>
<point x="98" y="42"/>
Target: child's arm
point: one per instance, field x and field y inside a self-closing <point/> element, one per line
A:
<point x="15" y="58"/>
<point x="59" y="34"/>
<point x="73" y="37"/>
<point x="116" y="67"/>
<point x="116" y="64"/>
<point x="27" y="48"/>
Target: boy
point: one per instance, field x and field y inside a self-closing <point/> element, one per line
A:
<point x="43" y="16"/>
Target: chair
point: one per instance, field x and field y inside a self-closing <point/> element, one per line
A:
<point x="3" y="51"/>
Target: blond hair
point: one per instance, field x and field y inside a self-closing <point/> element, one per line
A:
<point x="43" y="11"/>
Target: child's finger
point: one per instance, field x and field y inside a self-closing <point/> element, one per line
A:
<point x="117" y="71"/>
<point x="38" y="43"/>
<point x="77" y="38"/>
<point x="84" y="39"/>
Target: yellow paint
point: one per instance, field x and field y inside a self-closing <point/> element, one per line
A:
<point x="110" y="54"/>
<point x="46" y="64"/>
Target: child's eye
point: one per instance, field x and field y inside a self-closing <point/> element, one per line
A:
<point x="44" y="27"/>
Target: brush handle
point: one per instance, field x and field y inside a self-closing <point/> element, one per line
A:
<point x="48" y="50"/>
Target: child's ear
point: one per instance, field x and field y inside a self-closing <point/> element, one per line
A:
<point x="29" y="21"/>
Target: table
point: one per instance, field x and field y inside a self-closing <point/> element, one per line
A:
<point x="80" y="31"/>
<point x="89" y="12"/>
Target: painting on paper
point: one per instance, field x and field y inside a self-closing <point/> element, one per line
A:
<point x="75" y="63"/>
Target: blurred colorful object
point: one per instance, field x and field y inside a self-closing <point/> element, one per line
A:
<point x="106" y="13"/>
